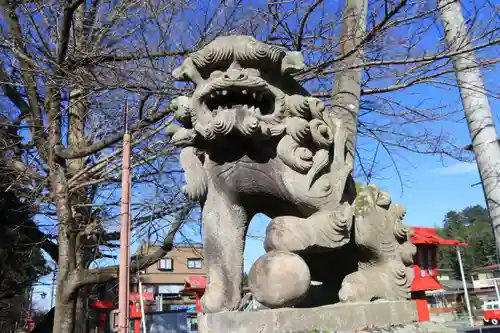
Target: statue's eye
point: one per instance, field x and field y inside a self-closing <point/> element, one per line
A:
<point x="215" y="74"/>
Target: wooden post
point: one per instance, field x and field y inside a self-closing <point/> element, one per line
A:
<point x="123" y="281"/>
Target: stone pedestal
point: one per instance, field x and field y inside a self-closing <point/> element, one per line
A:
<point x="348" y="317"/>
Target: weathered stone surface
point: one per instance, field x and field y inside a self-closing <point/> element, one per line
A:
<point x="254" y="141"/>
<point x="411" y="328"/>
<point x="331" y="318"/>
<point x="436" y="328"/>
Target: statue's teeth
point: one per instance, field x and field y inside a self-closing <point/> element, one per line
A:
<point x="244" y="92"/>
<point x="257" y="110"/>
<point x="224" y="92"/>
<point x="251" y="109"/>
<point x="212" y="96"/>
<point x="254" y="95"/>
<point x="220" y="108"/>
<point x="245" y="106"/>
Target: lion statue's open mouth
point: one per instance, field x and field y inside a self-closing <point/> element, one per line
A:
<point x="237" y="89"/>
<point x="258" y="102"/>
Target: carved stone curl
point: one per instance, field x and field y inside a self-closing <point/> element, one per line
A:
<point x="254" y="141"/>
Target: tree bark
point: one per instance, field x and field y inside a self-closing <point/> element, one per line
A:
<point x="347" y="83"/>
<point x="82" y="310"/>
<point x="476" y="107"/>
<point x="65" y="301"/>
<point x="64" y="317"/>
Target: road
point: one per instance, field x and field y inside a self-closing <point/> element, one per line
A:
<point x="480" y="329"/>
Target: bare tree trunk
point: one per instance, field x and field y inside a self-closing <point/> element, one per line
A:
<point x="347" y="84"/>
<point x="64" y="317"/>
<point x="477" y="108"/>
<point x="65" y="306"/>
<point x="82" y="311"/>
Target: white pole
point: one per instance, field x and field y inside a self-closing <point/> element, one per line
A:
<point x="143" y="316"/>
<point x="495" y="281"/>
<point x="476" y="107"/>
<point x="466" y="292"/>
<point x="52" y="293"/>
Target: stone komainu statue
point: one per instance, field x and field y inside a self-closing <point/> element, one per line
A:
<point x="254" y="141"/>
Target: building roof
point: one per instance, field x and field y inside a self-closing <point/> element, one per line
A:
<point x="195" y="283"/>
<point x="194" y="244"/>
<point x="455" y="285"/>
<point x="154" y="246"/>
<point x="422" y="235"/>
<point x="493" y="267"/>
<point x="444" y="270"/>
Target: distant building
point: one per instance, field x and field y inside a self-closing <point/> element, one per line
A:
<point x="484" y="280"/>
<point x="174" y="283"/>
<point x="166" y="279"/>
<point x="450" y="297"/>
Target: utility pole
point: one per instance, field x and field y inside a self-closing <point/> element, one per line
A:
<point x="124" y="273"/>
<point x="30" y="307"/>
<point x="495" y="281"/>
<point x="477" y="108"/>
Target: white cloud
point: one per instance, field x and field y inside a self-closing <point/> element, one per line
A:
<point x="457" y="169"/>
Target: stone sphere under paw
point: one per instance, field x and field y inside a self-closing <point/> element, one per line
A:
<point x="279" y="279"/>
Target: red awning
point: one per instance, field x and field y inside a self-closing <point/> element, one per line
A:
<point x="425" y="283"/>
<point x="423" y="235"/>
<point x="103" y="305"/>
<point x="195" y="283"/>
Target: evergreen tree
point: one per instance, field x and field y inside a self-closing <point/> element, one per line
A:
<point x="472" y="225"/>
<point x="21" y="261"/>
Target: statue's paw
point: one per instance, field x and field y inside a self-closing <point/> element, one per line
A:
<point x="287" y="233"/>
<point x="218" y="302"/>
<point x="355" y="288"/>
<point x="388" y="280"/>
<point x="332" y="228"/>
<point x="195" y="192"/>
<point x="195" y="174"/>
<point x="183" y="137"/>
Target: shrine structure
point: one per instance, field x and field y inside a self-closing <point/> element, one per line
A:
<point x="425" y="266"/>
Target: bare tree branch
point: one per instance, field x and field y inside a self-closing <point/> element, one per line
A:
<point x="85" y="151"/>
<point x="103" y="275"/>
